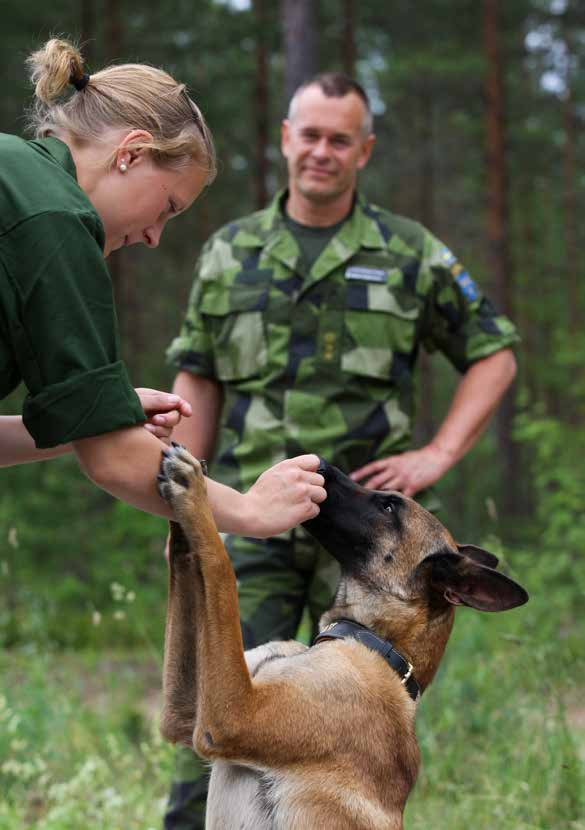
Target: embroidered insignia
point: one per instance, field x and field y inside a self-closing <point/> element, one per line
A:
<point x="447" y="258"/>
<point x="358" y="272"/>
<point x="467" y="286"/>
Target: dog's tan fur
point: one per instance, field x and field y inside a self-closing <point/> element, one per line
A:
<point x="304" y="738"/>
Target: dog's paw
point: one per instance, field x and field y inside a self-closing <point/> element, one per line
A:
<point x="180" y="474"/>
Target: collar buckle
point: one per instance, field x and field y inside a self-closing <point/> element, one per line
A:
<point x="408" y="674"/>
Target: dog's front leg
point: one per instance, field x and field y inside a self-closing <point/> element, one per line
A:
<point x="180" y="656"/>
<point x="205" y="669"/>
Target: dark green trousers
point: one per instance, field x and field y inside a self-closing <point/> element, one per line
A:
<point x="284" y="585"/>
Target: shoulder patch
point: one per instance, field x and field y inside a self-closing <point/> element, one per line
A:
<point x="468" y="287"/>
<point x="447" y="258"/>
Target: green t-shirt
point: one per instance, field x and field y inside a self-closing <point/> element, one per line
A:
<point x="58" y="328"/>
<point x="311" y="240"/>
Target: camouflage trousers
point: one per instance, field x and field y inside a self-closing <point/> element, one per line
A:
<point x="284" y="585"/>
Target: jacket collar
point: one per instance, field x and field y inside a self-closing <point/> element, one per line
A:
<point x="361" y="230"/>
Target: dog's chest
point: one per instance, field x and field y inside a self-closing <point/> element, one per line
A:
<point x="239" y="797"/>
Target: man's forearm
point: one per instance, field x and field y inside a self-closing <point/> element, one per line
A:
<point x="206" y="399"/>
<point x="476" y="399"/>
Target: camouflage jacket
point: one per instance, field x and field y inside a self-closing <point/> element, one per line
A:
<point x="323" y="361"/>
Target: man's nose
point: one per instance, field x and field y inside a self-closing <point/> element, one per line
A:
<point x="321" y="148"/>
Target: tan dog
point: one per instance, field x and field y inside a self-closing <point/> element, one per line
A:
<point x="323" y="737"/>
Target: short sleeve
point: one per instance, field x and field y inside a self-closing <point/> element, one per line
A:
<point x="192" y="349"/>
<point x="63" y="329"/>
<point x="459" y="319"/>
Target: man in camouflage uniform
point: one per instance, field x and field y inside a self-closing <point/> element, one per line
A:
<point x="301" y="335"/>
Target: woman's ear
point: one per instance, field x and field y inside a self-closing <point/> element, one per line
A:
<point x="133" y="149"/>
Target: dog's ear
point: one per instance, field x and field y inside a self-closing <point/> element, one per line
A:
<point x="479" y="555"/>
<point x="463" y="581"/>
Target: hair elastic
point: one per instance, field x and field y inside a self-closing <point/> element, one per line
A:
<point x="80" y="83"/>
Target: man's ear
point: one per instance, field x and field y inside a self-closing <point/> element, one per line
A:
<point x="464" y="582"/>
<point x="479" y="555"/>
<point x="366" y="151"/>
<point x="284" y="135"/>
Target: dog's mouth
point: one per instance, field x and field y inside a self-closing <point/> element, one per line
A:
<point x="343" y="525"/>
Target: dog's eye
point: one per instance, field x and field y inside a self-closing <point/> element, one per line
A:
<point x="389" y="508"/>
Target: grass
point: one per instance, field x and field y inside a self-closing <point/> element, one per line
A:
<point x="502" y="729"/>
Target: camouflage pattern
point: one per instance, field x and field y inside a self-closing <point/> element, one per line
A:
<point x="323" y="361"/>
<point x="315" y="361"/>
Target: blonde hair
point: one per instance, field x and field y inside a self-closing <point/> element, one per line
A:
<point x="132" y="96"/>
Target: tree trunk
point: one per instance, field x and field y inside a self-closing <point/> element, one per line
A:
<point x="261" y="104"/>
<point x="88" y="31"/>
<point x="497" y="226"/>
<point x="300" y="43"/>
<point x="348" y="38"/>
<point x="426" y="421"/>
<point x="572" y="257"/>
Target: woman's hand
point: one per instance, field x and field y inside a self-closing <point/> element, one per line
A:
<point x="163" y="411"/>
<point x="284" y="496"/>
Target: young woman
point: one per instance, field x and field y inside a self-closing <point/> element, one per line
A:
<point x="116" y="155"/>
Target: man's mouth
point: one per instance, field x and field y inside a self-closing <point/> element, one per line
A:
<point x="319" y="172"/>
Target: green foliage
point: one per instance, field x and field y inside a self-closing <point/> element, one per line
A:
<point x="79" y="744"/>
<point x="63" y="545"/>
<point x="499" y="728"/>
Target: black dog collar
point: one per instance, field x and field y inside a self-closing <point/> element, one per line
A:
<point x="348" y="628"/>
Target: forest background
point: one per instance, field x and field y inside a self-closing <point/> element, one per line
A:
<point x="479" y="113"/>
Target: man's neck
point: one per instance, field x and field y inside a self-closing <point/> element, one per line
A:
<point x="318" y="214"/>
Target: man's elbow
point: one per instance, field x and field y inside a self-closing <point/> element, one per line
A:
<point x="508" y="367"/>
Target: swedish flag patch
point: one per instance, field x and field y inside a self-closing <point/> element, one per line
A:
<point x="468" y="287"/>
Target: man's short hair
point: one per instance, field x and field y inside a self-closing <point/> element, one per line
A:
<point x="336" y="85"/>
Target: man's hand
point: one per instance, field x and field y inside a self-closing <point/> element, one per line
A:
<point x="163" y="410"/>
<point x="284" y="496"/>
<point x="408" y="472"/>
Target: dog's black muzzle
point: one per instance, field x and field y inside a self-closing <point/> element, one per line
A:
<point x="347" y="519"/>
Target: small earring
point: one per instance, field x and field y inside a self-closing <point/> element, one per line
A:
<point x="123" y="167"/>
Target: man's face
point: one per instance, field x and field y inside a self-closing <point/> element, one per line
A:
<point x="324" y="145"/>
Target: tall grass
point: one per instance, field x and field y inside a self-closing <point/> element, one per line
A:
<point x="501" y="729"/>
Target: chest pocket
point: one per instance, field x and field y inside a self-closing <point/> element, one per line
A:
<point x="378" y="323"/>
<point x="236" y="322"/>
